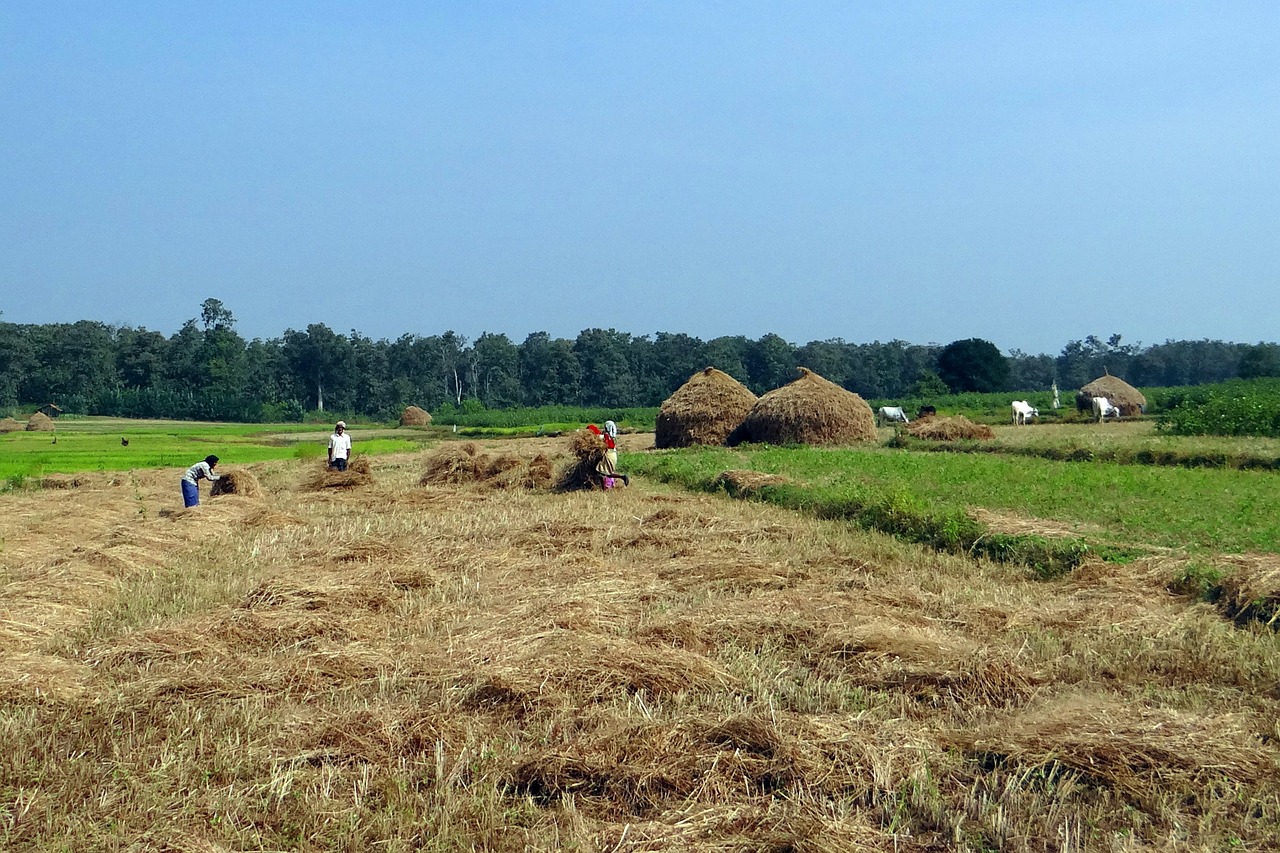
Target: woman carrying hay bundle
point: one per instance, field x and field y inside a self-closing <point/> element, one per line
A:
<point x="202" y="470"/>
<point x="607" y="467"/>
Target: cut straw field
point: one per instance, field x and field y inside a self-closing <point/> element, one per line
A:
<point x="450" y="666"/>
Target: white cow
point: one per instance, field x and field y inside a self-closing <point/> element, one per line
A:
<point x="1023" y="412"/>
<point x="893" y="414"/>
<point x="1103" y="409"/>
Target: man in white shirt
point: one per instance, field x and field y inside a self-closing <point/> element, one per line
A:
<point x="339" y="447"/>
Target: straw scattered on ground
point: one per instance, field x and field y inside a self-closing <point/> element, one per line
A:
<point x="952" y="428"/>
<point x="358" y="474"/>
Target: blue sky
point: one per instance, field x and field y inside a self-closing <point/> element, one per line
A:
<point x="1028" y="173"/>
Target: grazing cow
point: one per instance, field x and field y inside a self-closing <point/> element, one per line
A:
<point x="1023" y="412"/>
<point x="1103" y="409"/>
<point x="927" y="412"/>
<point x="893" y="414"/>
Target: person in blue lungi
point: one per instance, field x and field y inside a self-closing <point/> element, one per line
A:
<point x="200" y="471"/>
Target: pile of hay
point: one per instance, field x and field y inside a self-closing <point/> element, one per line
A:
<point x="1125" y="397"/>
<point x="704" y="410"/>
<point x="40" y="422"/>
<point x="809" y="410"/>
<point x="741" y="483"/>
<point x="949" y="429"/>
<point x="588" y="450"/>
<point x="413" y="416"/>
<point x="10" y="425"/>
<point x="239" y="482"/>
<point x="461" y="464"/>
<point x="357" y="474"/>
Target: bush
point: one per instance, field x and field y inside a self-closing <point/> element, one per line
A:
<point x="1238" y="407"/>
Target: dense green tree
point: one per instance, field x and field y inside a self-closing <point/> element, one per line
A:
<point x="606" y="372"/>
<point x="729" y="355"/>
<point x="973" y="364"/>
<point x="1260" y="360"/>
<point x="495" y="370"/>
<point x="770" y="362"/>
<point x="323" y="361"/>
<point x="549" y="371"/>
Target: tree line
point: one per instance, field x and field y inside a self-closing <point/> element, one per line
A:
<point x="207" y="370"/>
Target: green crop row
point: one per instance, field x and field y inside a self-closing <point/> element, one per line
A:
<point x="1239" y="407"/>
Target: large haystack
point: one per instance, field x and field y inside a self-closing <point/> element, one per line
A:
<point x="415" y="417"/>
<point x="10" y="425"/>
<point x="40" y="422"/>
<point x="358" y="473"/>
<point x="704" y="410"/>
<point x="949" y="429"/>
<point x="808" y="410"/>
<point x="1125" y="397"/>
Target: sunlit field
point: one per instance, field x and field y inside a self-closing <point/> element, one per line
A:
<point x="407" y="666"/>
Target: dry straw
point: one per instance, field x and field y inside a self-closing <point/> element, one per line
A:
<point x="40" y="422"/>
<point x="949" y="429"/>
<point x="237" y="482"/>
<point x="1125" y="397"/>
<point x="462" y="464"/>
<point x="588" y="450"/>
<point x="10" y="424"/>
<point x="808" y="410"/>
<point x="414" y="417"/>
<point x="704" y="410"/>
<point x="358" y="473"/>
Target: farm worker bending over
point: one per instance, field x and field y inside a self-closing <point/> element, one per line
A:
<point x="196" y="473"/>
<point x="339" y="447"/>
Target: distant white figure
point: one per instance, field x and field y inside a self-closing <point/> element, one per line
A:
<point x="1023" y="412"/>
<point x="1103" y="409"/>
<point x="1056" y="404"/>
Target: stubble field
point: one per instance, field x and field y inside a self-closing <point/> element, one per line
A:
<point x="410" y="667"/>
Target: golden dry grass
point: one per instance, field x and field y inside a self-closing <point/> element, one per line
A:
<point x="433" y="666"/>
<point x="949" y="429"/>
<point x="358" y="473"/>
<point x="704" y="410"/>
<point x="808" y="410"/>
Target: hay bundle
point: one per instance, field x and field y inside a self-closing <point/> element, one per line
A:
<point x="704" y="410"/>
<point x="238" y="482"/>
<point x="40" y="422"/>
<point x="460" y="464"/>
<point x="949" y="429"/>
<point x="1125" y="397"/>
<point x="10" y="424"/>
<point x="453" y="465"/>
<point x="808" y="410"/>
<point x="358" y="473"/>
<point x="588" y="451"/>
<point x="741" y="482"/>
<point x="415" y="417"/>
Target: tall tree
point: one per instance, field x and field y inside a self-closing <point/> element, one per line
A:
<point x="606" y="373"/>
<point x="495" y="370"/>
<point x="321" y="359"/>
<point x="973" y="364"/>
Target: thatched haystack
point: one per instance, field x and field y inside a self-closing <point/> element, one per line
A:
<point x="704" y="410"/>
<point x="40" y="422"/>
<point x="808" y="410"/>
<point x="358" y="473"/>
<point x="237" y="482"/>
<point x="588" y="450"/>
<point x="415" y="417"/>
<point x="10" y="425"/>
<point x="1125" y="397"/>
<point x="949" y="429"/>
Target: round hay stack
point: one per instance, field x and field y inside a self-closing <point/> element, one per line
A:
<point x="1125" y="397"/>
<point x="40" y="422"/>
<point x="415" y="417"/>
<point x="808" y="410"/>
<point x="704" y="410"/>
<point x="239" y="482"/>
<point x="10" y="425"/>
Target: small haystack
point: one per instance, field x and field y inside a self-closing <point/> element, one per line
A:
<point x="238" y="482"/>
<point x="949" y="429"/>
<point x="460" y="464"/>
<point x="415" y="417"/>
<point x="704" y="410"/>
<point x="808" y="410"/>
<point x="40" y="422"/>
<point x="1125" y="397"/>
<point x="588" y="450"/>
<point x="10" y="424"/>
<point x="358" y="473"/>
<point x="742" y="483"/>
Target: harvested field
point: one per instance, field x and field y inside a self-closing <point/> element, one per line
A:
<point x="448" y="667"/>
<point x="358" y="473"/>
<point x="464" y="463"/>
